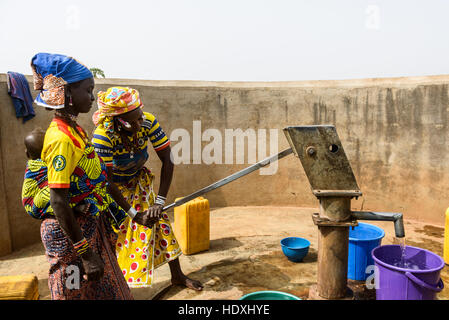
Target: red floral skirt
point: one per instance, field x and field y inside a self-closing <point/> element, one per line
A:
<point x="65" y="278"/>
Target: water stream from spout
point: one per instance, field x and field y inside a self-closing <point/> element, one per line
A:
<point x="402" y="246"/>
<point x="402" y="262"/>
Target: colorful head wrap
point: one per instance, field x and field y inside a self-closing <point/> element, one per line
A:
<point x="51" y="72"/>
<point x="113" y="102"/>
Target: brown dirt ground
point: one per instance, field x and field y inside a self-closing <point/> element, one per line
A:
<point x="244" y="255"/>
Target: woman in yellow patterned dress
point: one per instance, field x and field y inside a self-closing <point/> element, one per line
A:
<point x="123" y="132"/>
<point x="75" y="176"/>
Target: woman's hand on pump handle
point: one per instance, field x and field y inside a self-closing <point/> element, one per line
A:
<point x="149" y="217"/>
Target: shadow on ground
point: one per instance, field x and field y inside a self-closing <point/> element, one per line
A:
<point x="265" y="272"/>
<point x="223" y="244"/>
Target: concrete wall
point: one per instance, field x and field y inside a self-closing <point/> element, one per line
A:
<point x="394" y="132"/>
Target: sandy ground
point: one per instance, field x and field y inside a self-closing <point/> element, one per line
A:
<point x="244" y="255"/>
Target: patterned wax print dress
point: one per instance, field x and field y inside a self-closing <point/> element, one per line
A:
<point x="140" y="249"/>
<point x="71" y="162"/>
<point x="35" y="190"/>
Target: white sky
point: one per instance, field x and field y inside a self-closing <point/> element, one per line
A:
<point x="232" y="40"/>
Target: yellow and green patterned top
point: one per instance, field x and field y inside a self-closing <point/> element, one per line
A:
<point x="68" y="161"/>
<point x="126" y="165"/>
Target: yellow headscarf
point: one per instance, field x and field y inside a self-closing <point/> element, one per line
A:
<point x="113" y="102"/>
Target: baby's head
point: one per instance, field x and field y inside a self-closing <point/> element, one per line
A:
<point x="34" y="142"/>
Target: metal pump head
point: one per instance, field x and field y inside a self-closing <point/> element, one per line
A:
<point x="324" y="160"/>
<point x="326" y="166"/>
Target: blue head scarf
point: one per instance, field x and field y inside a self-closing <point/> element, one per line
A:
<point x="51" y="72"/>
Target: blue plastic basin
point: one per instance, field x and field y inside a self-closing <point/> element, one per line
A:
<point x="362" y="240"/>
<point x="269" y="295"/>
<point x="294" y="248"/>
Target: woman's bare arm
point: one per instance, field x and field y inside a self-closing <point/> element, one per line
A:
<point x="166" y="171"/>
<point x="92" y="263"/>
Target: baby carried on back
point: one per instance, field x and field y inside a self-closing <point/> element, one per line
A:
<point x="35" y="189"/>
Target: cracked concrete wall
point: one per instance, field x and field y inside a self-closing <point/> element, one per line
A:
<point x="394" y="132"/>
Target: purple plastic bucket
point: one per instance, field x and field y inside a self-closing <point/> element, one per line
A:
<point x="395" y="283"/>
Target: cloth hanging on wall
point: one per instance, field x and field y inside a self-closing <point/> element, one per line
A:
<point x="20" y="93"/>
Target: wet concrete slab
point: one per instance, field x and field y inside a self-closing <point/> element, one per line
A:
<point x="244" y="256"/>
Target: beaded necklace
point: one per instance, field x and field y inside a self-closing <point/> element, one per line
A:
<point x="130" y="143"/>
<point x="70" y="119"/>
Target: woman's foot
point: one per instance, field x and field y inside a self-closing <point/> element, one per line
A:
<point x="179" y="278"/>
<point x="183" y="280"/>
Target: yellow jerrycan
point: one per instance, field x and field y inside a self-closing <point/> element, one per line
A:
<point x="21" y="287"/>
<point x="192" y="225"/>
<point x="446" y="238"/>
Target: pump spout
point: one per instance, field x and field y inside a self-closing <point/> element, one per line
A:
<point x="383" y="216"/>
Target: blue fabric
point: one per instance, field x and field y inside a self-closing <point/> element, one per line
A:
<point x="20" y="93"/>
<point x="60" y="66"/>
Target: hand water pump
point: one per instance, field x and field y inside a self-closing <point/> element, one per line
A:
<point x="333" y="182"/>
